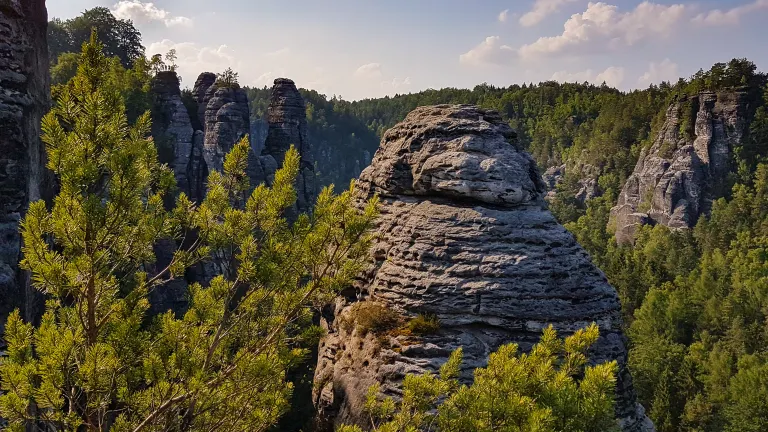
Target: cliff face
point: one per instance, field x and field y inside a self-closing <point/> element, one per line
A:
<point x="465" y="235"/>
<point x="227" y="120"/>
<point x="587" y="183"/>
<point x="678" y="177"/>
<point x="287" y="118"/>
<point x="172" y="127"/>
<point x="204" y="82"/>
<point x="24" y="99"/>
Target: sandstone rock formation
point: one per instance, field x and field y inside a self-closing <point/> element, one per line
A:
<point x="227" y="121"/>
<point x="677" y="178"/>
<point x="172" y="127"/>
<point x="553" y="177"/>
<point x="587" y="187"/>
<point x="198" y="170"/>
<point x="287" y="118"/>
<point x="24" y="99"/>
<point x="200" y="90"/>
<point x="466" y="235"/>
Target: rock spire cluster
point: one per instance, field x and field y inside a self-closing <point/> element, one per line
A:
<point x="676" y="180"/>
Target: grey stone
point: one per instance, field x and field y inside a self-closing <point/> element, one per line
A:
<point x="676" y="180"/>
<point x="227" y="121"/>
<point x="553" y="177"/>
<point x="24" y="99"/>
<point x="464" y="233"/>
<point x="172" y="127"/>
<point x="197" y="170"/>
<point x="587" y="182"/>
<point x="287" y="118"/>
<point x="204" y="82"/>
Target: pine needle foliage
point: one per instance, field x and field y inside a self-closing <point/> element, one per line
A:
<point x="97" y="361"/>
<point x="550" y="389"/>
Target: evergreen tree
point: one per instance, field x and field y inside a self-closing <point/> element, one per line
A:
<point x="97" y="362"/>
<point x="550" y="389"/>
<point x="87" y="255"/>
<point x="227" y="79"/>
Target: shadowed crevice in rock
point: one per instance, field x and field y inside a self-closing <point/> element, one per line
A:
<point x="464" y="233"/>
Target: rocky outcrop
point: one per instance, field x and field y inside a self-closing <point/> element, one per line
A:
<point x="227" y="121"/>
<point x="259" y="128"/>
<point x="678" y="177"/>
<point x="200" y="90"/>
<point x="198" y="170"/>
<point x="586" y="186"/>
<point x="287" y="118"/>
<point x="24" y="99"/>
<point x="553" y="177"/>
<point x="172" y="127"/>
<point x="464" y="234"/>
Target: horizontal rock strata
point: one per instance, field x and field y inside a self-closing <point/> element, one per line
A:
<point x="464" y="234"/>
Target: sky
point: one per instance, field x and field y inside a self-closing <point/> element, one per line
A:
<point x="360" y="49"/>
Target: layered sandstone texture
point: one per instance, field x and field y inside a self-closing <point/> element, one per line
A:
<point x="172" y="128"/>
<point x="287" y="119"/>
<point x="24" y="99"/>
<point x="464" y="234"/>
<point x="678" y="177"/>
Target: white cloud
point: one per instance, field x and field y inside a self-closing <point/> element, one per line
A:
<point x="397" y="84"/>
<point x="267" y="79"/>
<point x="541" y="9"/>
<point x="602" y="27"/>
<point x="370" y="70"/>
<point x="194" y="59"/>
<point x="612" y="76"/>
<point x="732" y="16"/>
<point x="490" y="51"/>
<point x="504" y="15"/>
<point x="658" y="72"/>
<point x="178" y="21"/>
<point x="141" y="12"/>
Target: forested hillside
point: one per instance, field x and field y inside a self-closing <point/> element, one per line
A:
<point x="695" y="300"/>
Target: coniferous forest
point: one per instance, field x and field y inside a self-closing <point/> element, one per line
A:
<point x="694" y="299"/>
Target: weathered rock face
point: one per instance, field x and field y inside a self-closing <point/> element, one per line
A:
<point x="287" y="118"/>
<point x="200" y="90"/>
<point x="227" y="121"/>
<point x="553" y="177"/>
<point x="198" y="170"/>
<point x="465" y="235"/>
<point x="172" y="127"/>
<point x="678" y="177"/>
<point x="587" y="182"/>
<point x="24" y="99"/>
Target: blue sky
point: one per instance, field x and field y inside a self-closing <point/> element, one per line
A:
<point x="366" y="48"/>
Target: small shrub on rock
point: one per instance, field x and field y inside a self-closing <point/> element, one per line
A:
<point x="424" y="324"/>
<point x="371" y="317"/>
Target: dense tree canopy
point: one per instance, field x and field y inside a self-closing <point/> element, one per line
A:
<point x="119" y="37"/>
<point x="697" y="300"/>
